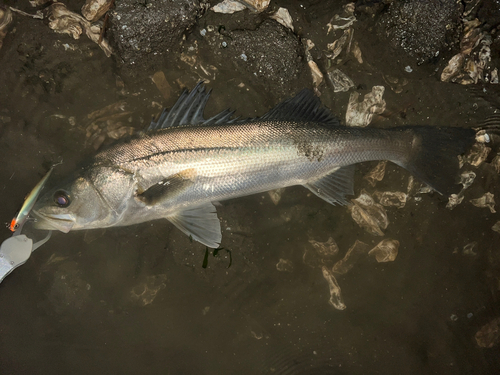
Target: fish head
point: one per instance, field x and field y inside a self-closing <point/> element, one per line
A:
<point x="75" y="204"/>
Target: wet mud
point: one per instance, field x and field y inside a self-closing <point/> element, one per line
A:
<point x="299" y="287"/>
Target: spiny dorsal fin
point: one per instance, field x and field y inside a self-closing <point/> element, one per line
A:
<point x="188" y="110"/>
<point x="305" y="106"/>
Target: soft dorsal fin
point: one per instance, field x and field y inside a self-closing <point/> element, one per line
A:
<point x="305" y="106"/>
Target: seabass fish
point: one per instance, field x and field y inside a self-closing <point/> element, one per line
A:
<point x="183" y="163"/>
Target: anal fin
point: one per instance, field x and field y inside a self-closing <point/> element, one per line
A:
<point x="201" y="223"/>
<point x="335" y="186"/>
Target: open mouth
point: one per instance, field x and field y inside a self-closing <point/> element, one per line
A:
<point x="61" y="222"/>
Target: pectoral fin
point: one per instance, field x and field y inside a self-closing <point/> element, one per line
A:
<point x="334" y="187"/>
<point x="167" y="188"/>
<point x="201" y="223"/>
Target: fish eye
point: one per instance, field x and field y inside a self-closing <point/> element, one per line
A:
<point x="61" y="198"/>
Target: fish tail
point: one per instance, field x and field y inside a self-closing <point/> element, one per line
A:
<point x="434" y="154"/>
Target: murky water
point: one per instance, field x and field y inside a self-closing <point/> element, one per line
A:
<point x="137" y="299"/>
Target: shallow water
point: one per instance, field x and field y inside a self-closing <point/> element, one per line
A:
<point x="137" y="299"/>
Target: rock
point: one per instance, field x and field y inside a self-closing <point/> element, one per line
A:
<point x="476" y="156"/>
<point x="63" y="21"/>
<point x="361" y="113"/>
<point x="272" y="53"/>
<point x="282" y="16"/>
<point x="144" y="33"/>
<point x="316" y="74"/>
<point x="92" y="10"/>
<point x="340" y="81"/>
<point x="232" y="6"/>
<point x="228" y="7"/>
<point x="420" y="28"/>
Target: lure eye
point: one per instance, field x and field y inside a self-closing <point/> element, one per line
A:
<point x="61" y="199"/>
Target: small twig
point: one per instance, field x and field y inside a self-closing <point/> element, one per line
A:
<point x="38" y="15"/>
<point x="101" y="35"/>
<point x="105" y="22"/>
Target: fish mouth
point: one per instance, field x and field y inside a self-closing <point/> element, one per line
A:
<point x="47" y="221"/>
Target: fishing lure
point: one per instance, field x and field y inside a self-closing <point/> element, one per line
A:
<point x="29" y="202"/>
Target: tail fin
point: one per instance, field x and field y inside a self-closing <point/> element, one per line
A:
<point x="433" y="158"/>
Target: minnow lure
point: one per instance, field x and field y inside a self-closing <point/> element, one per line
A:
<point x="29" y="202"/>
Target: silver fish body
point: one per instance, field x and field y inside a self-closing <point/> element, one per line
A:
<point x="184" y="162"/>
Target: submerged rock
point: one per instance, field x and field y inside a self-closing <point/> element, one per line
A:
<point x="5" y="20"/>
<point x="108" y="122"/>
<point x="284" y="265"/>
<point x="385" y="251"/>
<point x="496" y="227"/>
<point x="336" y="299"/>
<point x="391" y="198"/>
<point x="146" y="291"/>
<point x="368" y="214"/>
<point x="489" y="334"/>
<point x="470" y="249"/>
<point x="487" y="200"/>
<point x="321" y="253"/>
<point x="476" y="156"/>
<point x="357" y="251"/>
<point x="376" y="174"/>
<point x="466" y="179"/>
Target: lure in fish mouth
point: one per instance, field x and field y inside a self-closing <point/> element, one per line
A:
<point x="184" y="162"/>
